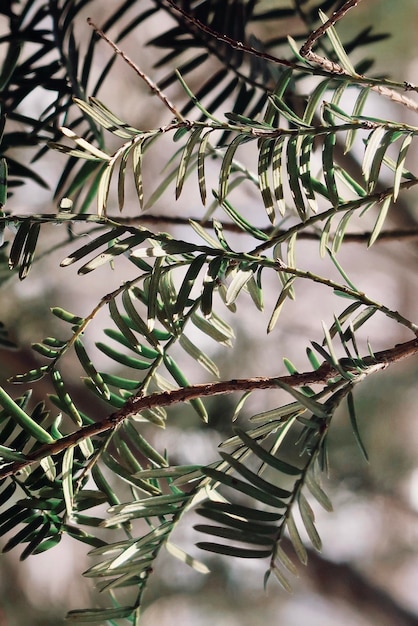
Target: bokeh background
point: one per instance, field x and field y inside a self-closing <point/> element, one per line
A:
<point x="367" y="574"/>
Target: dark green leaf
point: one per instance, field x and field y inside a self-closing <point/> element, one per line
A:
<point x="255" y="479"/>
<point x="235" y="535"/>
<point x="354" y="425"/>
<point x="96" y="616"/>
<point x="244" y="487"/>
<point x="328" y="163"/>
<point x="294" y="179"/>
<point x="244" y="553"/>
<point x="266" y="457"/>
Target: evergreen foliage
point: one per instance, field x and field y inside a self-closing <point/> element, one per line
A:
<point x="297" y="104"/>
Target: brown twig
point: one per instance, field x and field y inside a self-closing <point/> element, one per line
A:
<point x="326" y="67"/>
<point x="139" y="403"/>
<point x="154" y="88"/>
<point x="232" y="43"/>
<point x="335" y="68"/>
<point x="306" y="49"/>
<point x="389" y="235"/>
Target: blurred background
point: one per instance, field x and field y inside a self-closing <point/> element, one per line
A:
<point x="367" y="574"/>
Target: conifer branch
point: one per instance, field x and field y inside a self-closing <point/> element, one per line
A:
<point x="381" y="360"/>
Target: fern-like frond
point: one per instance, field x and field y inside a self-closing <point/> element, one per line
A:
<point x="255" y="526"/>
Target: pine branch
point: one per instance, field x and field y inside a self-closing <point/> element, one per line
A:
<point x="236" y="45"/>
<point x="136" y="404"/>
<point x="325" y="66"/>
<point x="344" y="207"/>
<point x="335" y="68"/>
<point x="306" y="49"/>
<point x="154" y="88"/>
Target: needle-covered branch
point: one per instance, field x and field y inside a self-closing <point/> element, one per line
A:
<point x="276" y="140"/>
<point x="136" y="404"/>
